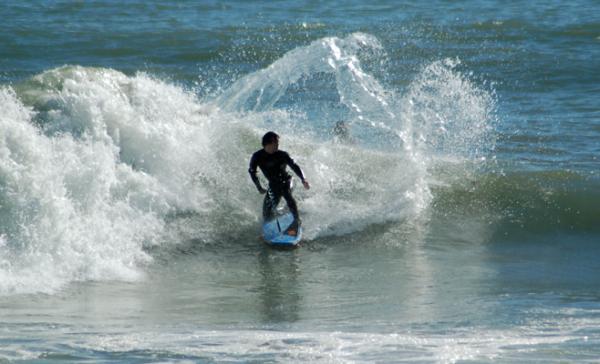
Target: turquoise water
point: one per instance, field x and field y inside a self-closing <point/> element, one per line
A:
<point x="456" y="221"/>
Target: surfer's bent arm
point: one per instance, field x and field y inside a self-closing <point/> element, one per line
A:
<point x="296" y="168"/>
<point x="253" y="175"/>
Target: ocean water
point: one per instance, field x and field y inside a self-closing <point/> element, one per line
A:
<point x="455" y="220"/>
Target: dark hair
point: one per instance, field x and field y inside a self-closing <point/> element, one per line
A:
<point x="270" y="137"/>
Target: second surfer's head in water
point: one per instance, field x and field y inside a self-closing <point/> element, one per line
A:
<point x="272" y="163"/>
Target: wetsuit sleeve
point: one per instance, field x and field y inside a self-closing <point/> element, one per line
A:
<point x="296" y="168"/>
<point x="252" y="171"/>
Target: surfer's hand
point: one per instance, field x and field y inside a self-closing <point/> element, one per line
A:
<point x="306" y="184"/>
<point x="262" y="191"/>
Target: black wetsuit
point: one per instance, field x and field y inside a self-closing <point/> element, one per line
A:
<point x="273" y="167"/>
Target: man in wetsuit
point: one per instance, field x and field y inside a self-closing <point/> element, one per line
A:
<point x="272" y="162"/>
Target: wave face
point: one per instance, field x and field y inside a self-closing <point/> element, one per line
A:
<point x="97" y="167"/>
<point x="523" y="202"/>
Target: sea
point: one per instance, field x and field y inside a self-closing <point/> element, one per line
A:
<point x="452" y="150"/>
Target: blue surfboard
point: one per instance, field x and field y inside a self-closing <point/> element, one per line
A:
<point x="276" y="232"/>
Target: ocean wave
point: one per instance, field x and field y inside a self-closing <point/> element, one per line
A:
<point x="530" y="202"/>
<point x="97" y="168"/>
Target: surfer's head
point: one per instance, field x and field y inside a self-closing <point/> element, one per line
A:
<point x="270" y="142"/>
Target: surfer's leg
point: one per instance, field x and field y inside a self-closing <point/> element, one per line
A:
<point x="270" y="203"/>
<point x="291" y="202"/>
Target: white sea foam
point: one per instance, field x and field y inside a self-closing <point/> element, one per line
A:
<point x="332" y="347"/>
<point x="89" y="179"/>
<point x="61" y="221"/>
<point x="447" y="115"/>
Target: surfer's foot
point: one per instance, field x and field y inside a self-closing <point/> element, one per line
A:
<point x="294" y="226"/>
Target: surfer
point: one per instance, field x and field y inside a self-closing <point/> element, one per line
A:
<point x="272" y="162"/>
